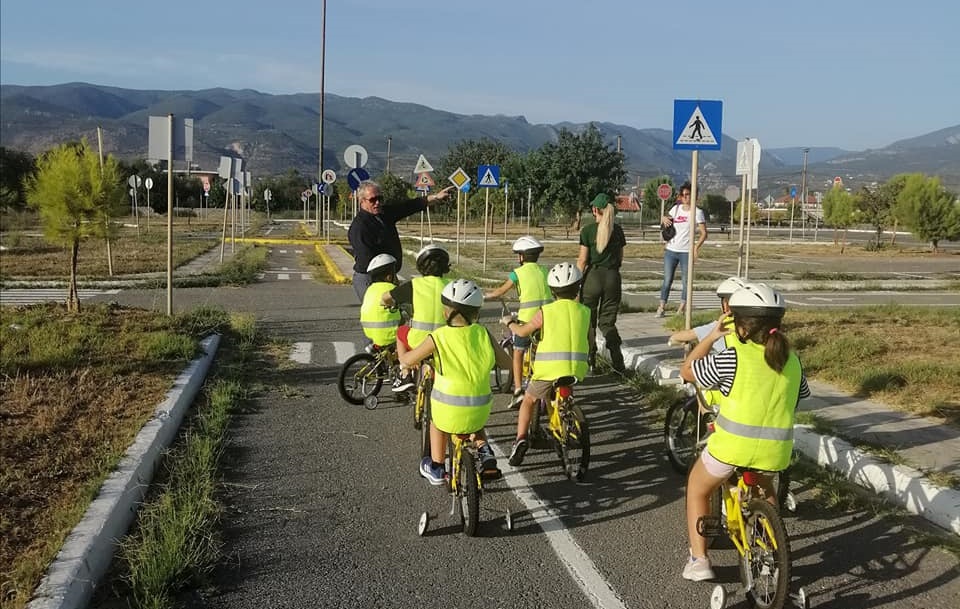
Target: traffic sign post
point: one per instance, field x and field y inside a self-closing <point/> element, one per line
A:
<point x="664" y="192"/>
<point x="488" y="176"/>
<point x="697" y="125"/>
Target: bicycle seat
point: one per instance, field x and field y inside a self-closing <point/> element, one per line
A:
<point x="565" y="381"/>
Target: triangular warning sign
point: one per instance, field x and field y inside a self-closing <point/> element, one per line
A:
<point x="425" y="179"/>
<point x="422" y="165"/>
<point x="697" y="131"/>
<point x="488" y="179"/>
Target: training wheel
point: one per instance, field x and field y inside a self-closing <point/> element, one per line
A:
<point x="800" y="599"/>
<point x="423" y="524"/>
<point x="718" y="598"/>
<point x="370" y="402"/>
<point x="509" y="519"/>
<point x="790" y="503"/>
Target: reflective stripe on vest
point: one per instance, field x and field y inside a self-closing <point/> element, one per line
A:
<point x="532" y="288"/>
<point x="378" y="322"/>
<point x="755" y="424"/>
<point x="564" y="343"/>
<point x="461" y="399"/>
<point x="427" y="308"/>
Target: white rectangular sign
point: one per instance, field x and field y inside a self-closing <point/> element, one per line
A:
<point x="158" y="140"/>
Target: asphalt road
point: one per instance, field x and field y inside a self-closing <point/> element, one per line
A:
<point x="322" y="499"/>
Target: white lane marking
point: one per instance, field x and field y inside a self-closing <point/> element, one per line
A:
<point x="581" y="568"/>
<point x="284" y="268"/>
<point x="306" y="276"/>
<point x="281" y="276"/>
<point x="301" y="352"/>
<point x="281" y="251"/>
<point x="343" y="351"/>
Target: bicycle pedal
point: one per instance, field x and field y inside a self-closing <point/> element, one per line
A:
<point x="709" y="526"/>
<point x="491" y="474"/>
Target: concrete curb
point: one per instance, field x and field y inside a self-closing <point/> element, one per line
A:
<point x="906" y="486"/>
<point x="86" y="554"/>
<point x="330" y="265"/>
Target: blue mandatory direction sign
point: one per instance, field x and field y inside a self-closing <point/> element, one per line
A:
<point x="697" y="124"/>
<point x="793" y="192"/>
<point x="488" y="176"/>
<point x="356" y="176"/>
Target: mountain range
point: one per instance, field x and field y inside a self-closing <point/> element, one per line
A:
<point x="276" y="133"/>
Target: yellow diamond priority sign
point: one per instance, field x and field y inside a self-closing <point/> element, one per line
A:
<point x="459" y="178"/>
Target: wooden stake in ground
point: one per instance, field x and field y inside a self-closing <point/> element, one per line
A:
<point x="106" y="218"/>
<point x="457" y="232"/>
<point x="691" y="223"/>
<point x="743" y="202"/>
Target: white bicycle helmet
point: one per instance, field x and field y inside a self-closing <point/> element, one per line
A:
<point x="527" y="244"/>
<point x="380" y="261"/>
<point x="563" y="274"/>
<point x="757" y="300"/>
<point x="728" y="286"/>
<point x="429" y="251"/>
<point x="462" y="293"/>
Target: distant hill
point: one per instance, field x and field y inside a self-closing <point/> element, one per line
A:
<point x="275" y="133"/>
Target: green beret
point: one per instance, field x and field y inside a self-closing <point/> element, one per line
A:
<point x="601" y="200"/>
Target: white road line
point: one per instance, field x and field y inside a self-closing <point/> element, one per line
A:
<point x="306" y="276"/>
<point x="343" y="351"/>
<point x="581" y="568"/>
<point x="281" y="251"/>
<point x="301" y="352"/>
<point x="282" y="276"/>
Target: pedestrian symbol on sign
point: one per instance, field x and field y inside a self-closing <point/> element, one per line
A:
<point x="697" y="131"/>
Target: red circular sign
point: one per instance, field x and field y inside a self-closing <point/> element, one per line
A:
<point x="664" y="191"/>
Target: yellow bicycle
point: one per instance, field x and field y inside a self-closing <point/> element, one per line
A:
<point x="421" y="409"/>
<point x="756" y="530"/>
<point x="465" y="485"/>
<point x="567" y="428"/>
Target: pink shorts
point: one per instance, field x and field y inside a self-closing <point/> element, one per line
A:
<point x="717" y="469"/>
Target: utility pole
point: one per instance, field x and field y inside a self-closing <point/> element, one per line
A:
<point x="323" y="52"/>
<point x="803" y="195"/>
<point x="389" y="141"/>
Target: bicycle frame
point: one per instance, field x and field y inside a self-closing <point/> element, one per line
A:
<point x="460" y="450"/>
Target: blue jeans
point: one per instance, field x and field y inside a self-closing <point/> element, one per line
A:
<point x="670" y="261"/>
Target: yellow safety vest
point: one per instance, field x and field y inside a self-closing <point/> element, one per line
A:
<point x="755" y="425"/>
<point x="564" y="343"/>
<point x="461" y="398"/>
<point x="532" y="288"/>
<point x="378" y="322"/>
<point x="427" y="308"/>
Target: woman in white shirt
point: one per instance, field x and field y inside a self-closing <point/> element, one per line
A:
<point x="677" y="250"/>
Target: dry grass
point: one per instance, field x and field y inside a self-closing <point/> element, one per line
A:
<point x="908" y="357"/>
<point x="76" y="390"/>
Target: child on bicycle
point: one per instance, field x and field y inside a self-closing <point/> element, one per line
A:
<point x="760" y="381"/>
<point x="378" y="322"/>
<point x="422" y="295"/>
<point x="464" y="353"/>
<point x="530" y="280"/>
<point x="726" y="288"/>
<point x="564" y="347"/>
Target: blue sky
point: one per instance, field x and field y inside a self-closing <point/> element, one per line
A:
<point x="848" y="73"/>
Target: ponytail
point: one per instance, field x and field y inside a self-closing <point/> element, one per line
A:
<point x="766" y="331"/>
<point x="605" y="228"/>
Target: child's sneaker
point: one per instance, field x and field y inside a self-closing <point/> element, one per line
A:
<point x="488" y="462"/>
<point x="517" y="398"/>
<point x="660" y="312"/>
<point x="433" y="473"/>
<point x="403" y="383"/>
<point x="519" y="450"/>
<point x="698" y="569"/>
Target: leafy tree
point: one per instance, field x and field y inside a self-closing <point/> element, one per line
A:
<point x="569" y="173"/>
<point x="929" y="209"/>
<point x="470" y="154"/>
<point x="838" y="211"/>
<point x="893" y="187"/>
<point x="751" y="215"/>
<point x="717" y="208"/>
<point x="394" y="188"/>
<point x="15" y="168"/>
<point x="73" y="197"/>
<point x="874" y="208"/>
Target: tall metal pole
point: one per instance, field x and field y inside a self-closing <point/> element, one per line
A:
<point x="170" y="218"/>
<point x="803" y="194"/>
<point x="692" y="224"/>
<point x="389" y="141"/>
<point x="323" y="49"/>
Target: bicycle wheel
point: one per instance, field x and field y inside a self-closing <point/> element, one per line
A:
<point x="469" y="493"/>
<point x="574" y="449"/>
<point x="359" y="377"/>
<point x="680" y="433"/>
<point x="536" y="436"/>
<point x="765" y="568"/>
<point x="425" y="427"/>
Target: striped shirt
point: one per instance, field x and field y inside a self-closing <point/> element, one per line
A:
<point x="718" y="369"/>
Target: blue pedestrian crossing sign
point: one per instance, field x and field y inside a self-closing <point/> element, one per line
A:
<point x="697" y="124"/>
<point x="488" y="176"/>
